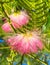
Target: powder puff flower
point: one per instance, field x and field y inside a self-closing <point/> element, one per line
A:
<point x="19" y="19"/>
<point x="6" y="27"/>
<point x="25" y="43"/>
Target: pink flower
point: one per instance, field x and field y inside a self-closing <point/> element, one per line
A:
<point x="19" y="19"/>
<point x="6" y="27"/>
<point x="25" y="43"/>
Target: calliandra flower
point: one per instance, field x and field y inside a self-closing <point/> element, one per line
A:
<point x="25" y="43"/>
<point x="6" y="27"/>
<point x="19" y="19"/>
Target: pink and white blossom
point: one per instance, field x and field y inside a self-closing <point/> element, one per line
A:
<point x="19" y="19"/>
<point x="6" y="27"/>
<point x="25" y="43"/>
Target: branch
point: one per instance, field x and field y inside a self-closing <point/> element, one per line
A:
<point x="37" y="59"/>
<point x="4" y="11"/>
<point x="6" y="14"/>
<point x="46" y="49"/>
<point x="21" y="60"/>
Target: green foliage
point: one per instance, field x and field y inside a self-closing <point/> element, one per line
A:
<point x="38" y="10"/>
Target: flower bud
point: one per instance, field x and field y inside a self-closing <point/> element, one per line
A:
<point x="6" y="27"/>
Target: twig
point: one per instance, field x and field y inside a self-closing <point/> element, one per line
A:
<point x="4" y="11"/>
<point x="6" y="14"/>
<point x="37" y="59"/>
<point x="21" y="60"/>
<point x="46" y="49"/>
<point x="8" y="17"/>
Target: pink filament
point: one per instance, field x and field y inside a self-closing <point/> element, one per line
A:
<point x="25" y="43"/>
